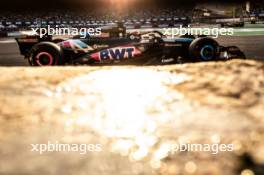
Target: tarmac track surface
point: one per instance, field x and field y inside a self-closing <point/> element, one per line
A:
<point x="252" y="46"/>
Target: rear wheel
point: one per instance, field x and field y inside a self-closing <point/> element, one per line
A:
<point x="45" y="54"/>
<point x="204" y="49"/>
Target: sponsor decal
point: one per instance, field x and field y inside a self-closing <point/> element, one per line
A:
<point x="116" y="53"/>
<point x="167" y="60"/>
<point x="95" y="46"/>
<point x="173" y="44"/>
<point x="28" y="40"/>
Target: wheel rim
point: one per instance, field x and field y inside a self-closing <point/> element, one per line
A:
<point x="44" y="59"/>
<point x="207" y="52"/>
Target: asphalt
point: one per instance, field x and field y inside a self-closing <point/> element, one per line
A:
<point x="252" y="46"/>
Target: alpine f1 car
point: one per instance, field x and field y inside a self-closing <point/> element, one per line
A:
<point x="143" y="49"/>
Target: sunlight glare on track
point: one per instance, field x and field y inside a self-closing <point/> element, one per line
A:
<point x="129" y="101"/>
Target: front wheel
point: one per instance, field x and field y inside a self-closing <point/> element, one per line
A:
<point x="204" y="49"/>
<point x="45" y="54"/>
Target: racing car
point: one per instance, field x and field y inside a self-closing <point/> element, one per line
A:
<point x="149" y="48"/>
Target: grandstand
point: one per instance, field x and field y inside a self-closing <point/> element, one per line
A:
<point x="140" y="18"/>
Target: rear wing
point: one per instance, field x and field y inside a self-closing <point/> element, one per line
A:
<point x="25" y="43"/>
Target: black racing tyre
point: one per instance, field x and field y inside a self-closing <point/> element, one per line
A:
<point x="204" y="49"/>
<point x="45" y="54"/>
